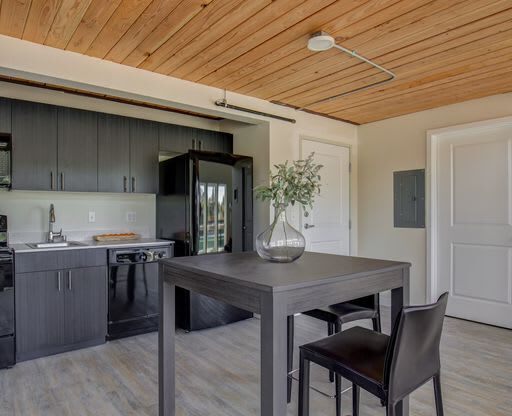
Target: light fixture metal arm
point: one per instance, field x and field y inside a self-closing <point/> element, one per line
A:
<point x="391" y="77"/>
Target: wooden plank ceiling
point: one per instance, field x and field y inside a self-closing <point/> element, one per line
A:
<point x="442" y="51"/>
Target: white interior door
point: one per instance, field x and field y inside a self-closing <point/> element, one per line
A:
<point x="474" y="224"/>
<point x="326" y="229"/>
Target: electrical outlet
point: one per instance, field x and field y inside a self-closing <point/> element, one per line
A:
<point x="92" y="216"/>
<point x="131" y="216"/>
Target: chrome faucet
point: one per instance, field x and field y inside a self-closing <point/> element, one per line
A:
<point x="53" y="237"/>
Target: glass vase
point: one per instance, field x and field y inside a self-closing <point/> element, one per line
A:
<point x="280" y="242"/>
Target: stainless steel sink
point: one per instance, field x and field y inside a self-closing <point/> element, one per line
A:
<point x="56" y="245"/>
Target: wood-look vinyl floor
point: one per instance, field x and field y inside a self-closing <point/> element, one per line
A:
<point x="218" y="375"/>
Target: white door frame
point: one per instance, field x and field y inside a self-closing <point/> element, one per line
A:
<point x="349" y="147"/>
<point x="433" y="139"/>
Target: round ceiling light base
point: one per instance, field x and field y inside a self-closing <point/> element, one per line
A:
<point x="320" y="41"/>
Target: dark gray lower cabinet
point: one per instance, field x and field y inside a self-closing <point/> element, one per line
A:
<point x="85" y="305"/>
<point x="60" y="310"/>
<point x="39" y="314"/>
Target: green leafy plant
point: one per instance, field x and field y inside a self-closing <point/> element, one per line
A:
<point x="292" y="183"/>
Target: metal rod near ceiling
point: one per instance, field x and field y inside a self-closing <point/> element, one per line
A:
<point x="224" y="103"/>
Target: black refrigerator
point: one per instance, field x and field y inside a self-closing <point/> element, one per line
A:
<point x="204" y="205"/>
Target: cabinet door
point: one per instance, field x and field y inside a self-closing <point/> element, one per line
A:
<point x="34" y="140"/>
<point x="77" y="150"/>
<point x="206" y="140"/>
<point x="113" y="153"/>
<point x="225" y="142"/>
<point x="85" y="304"/>
<point x="176" y="139"/>
<point x="5" y="115"/>
<point x="143" y="156"/>
<point x="215" y="141"/>
<point x="39" y="313"/>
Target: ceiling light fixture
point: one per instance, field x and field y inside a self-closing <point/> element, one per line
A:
<point x="322" y="41"/>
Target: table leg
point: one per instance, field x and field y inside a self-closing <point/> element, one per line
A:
<point x="166" y="348"/>
<point x="273" y="355"/>
<point x="399" y="299"/>
<point x="289" y="368"/>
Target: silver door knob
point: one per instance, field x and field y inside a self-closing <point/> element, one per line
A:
<point x="306" y="226"/>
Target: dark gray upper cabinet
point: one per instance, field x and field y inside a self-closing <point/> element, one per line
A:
<point x="180" y="139"/>
<point x="207" y="140"/>
<point x="5" y="115"/>
<point x="214" y="141"/>
<point x="66" y="149"/>
<point x="85" y="305"/>
<point x="34" y="139"/>
<point x="177" y="139"/>
<point x="77" y="150"/>
<point x="113" y="153"/>
<point x="225" y="141"/>
<point x="39" y="313"/>
<point x="143" y="156"/>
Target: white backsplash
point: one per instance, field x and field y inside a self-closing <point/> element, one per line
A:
<point x="27" y="214"/>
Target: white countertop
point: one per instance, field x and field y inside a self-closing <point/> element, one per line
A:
<point x="142" y="242"/>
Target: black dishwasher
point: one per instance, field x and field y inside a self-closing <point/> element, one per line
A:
<point x="133" y="290"/>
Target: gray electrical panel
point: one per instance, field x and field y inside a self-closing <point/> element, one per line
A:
<point x="409" y="198"/>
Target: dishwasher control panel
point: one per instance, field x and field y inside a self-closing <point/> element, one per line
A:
<point x="138" y="255"/>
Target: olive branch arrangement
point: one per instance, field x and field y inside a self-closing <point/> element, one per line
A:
<point x="292" y="183"/>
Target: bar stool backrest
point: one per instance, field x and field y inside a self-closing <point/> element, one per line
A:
<point x="413" y="352"/>
<point x="370" y="302"/>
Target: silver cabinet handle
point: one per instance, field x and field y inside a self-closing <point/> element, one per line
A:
<point x="59" y="278"/>
<point x="306" y="226"/>
<point x="200" y="144"/>
<point x="52" y="181"/>
<point x="69" y="279"/>
<point x="125" y="184"/>
<point x="133" y="183"/>
<point x="194" y="144"/>
<point x="62" y="181"/>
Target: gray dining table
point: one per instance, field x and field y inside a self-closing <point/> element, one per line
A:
<point x="275" y="291"/>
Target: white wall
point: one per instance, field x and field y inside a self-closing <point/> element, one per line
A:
<point x="28" y="214"/>
<point x="253" y="140"/>
<point x="400" y="144"/>
<point x="41" y="63"/>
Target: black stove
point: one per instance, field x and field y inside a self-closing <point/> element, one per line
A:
<point x="3" y="232"/>
<point x="7" y="336"/>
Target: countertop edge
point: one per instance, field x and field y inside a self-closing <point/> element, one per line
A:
<point x="89" y="245"/>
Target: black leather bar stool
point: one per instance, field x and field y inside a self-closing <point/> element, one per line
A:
<point x="389" y="367"/>
<point x="367" y="307"/>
